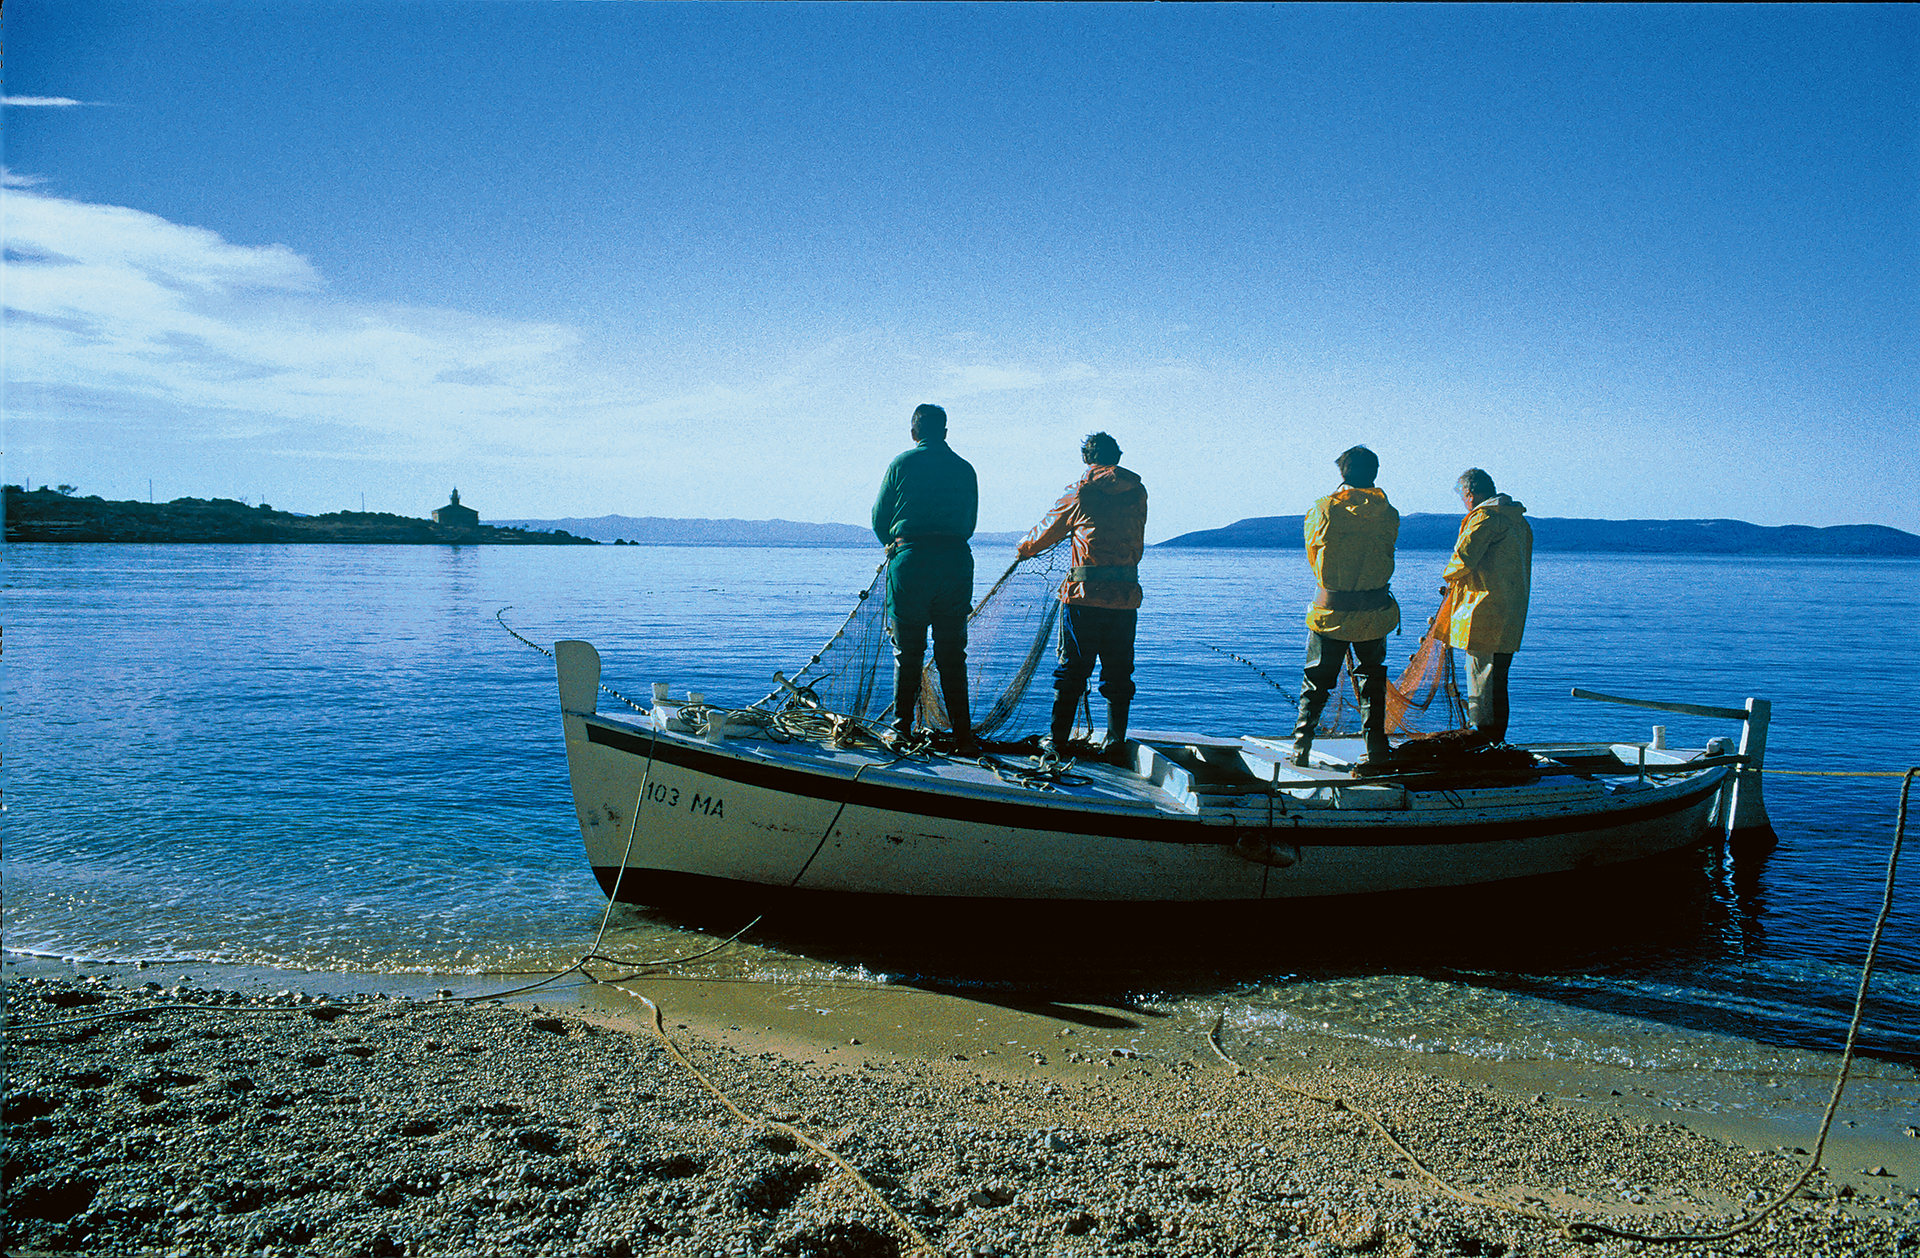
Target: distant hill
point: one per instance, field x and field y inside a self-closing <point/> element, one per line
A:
<point x="651" y="530"/>
<point x="1430" y="531"/>
<point x="46" y="515"/>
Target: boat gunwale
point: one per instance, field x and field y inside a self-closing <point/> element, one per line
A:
<point x="1083" y="816"/>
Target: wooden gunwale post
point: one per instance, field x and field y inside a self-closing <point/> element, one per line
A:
<point x="1746" y="812"/>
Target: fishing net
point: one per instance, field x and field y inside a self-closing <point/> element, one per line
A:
<point x="1424" y="700"/>
<point x="1010" y="634"/>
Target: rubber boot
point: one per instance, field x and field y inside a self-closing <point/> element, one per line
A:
<point x="954" y="691"/>
<point x="1114" y="751"/>
<point x="1373" y="720"/>
<point x="1311" y="705"/>
<point x="1055" y="742"/>
<point x="906" y="697"/>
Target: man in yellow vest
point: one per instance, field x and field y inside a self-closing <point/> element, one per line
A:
<point x="1491" y="573"/>
<point x="1350" y="536"/>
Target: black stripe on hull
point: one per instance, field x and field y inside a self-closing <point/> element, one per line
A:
<point x="675" y="890"/>
<point x="671" y="888"/>
<point x="1430" y="831"/>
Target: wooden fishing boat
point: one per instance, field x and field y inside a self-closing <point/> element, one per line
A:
<point x="684" y="801"/>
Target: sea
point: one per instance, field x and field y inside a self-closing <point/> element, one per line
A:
<point x="336" y="759"/>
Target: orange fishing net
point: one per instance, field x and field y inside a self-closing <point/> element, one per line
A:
<point x="1423" y="701"/>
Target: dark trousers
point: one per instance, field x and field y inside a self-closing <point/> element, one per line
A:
<point x="929" y="586"/>
<point x="1325" y="656"/>
<point x="1487" y="693"/>
<point x="1096" y="634"/>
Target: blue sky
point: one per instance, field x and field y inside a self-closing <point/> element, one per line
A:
<point x="703" y="260"/>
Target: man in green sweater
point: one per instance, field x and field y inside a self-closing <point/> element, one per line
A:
<point x="928" y="503"/>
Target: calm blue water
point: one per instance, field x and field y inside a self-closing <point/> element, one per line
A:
<point x="332" y="758"/>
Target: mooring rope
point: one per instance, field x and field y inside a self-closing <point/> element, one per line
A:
<point x="921" y="1244"/>
<point x="1347" y="1105"/>
<point x="1584" y="1229"/>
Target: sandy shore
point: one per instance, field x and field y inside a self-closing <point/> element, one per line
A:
<point x="273" y="1122"/>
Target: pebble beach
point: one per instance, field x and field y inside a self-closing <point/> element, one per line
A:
<point x="185" y="1121"/>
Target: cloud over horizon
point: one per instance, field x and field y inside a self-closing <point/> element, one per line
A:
<point x="129" y="330"/>
<point x="118" y="302"/>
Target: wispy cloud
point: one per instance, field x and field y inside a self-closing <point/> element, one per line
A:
<point x="969" y="379"/>
<point x="112" y="300"/>
<point x="43" y="102"/>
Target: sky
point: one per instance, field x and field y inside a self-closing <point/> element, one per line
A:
<point x="703" y="260"/>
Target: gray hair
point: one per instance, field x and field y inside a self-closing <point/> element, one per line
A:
<point x="1475" y="482"/>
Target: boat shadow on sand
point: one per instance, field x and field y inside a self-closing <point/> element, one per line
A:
<point x="1643" y="929"/>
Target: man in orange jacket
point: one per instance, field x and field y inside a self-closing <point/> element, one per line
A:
<point x="1105" y="512"/>
<point x="1350" y="535"/>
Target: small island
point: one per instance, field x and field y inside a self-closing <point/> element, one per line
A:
<point x="51" y="515"/>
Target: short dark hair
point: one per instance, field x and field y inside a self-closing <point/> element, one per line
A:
<point x="1475" y="482"/>
<point x="930" y="418"/>
<point x="1358" y="466"/>
<point x="1099" y="448"/>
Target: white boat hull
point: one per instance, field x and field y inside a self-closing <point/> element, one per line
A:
<point x="666" y="813"/>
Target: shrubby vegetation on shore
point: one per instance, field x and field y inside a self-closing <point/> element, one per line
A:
<point x="50" y="515"/>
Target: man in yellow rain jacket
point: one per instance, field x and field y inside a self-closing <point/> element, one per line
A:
<point x="1105" y="512"/>
<point x="1490" y="572"/>
<point x="1350" y="536"/>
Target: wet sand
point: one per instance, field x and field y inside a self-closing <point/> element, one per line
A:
<point x="558" y="1122"/>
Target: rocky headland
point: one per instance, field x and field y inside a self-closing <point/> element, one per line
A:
<point x="47" y="515"/>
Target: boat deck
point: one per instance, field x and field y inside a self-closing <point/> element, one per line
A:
<point x="1215" y="780"/>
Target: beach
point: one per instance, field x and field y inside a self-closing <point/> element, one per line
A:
<point x="221" y="1117"/>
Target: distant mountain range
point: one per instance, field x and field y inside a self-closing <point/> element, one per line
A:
<point x="49" y="516"/>
<point x="650" y="530"/>
<point x="1430" y="531"/>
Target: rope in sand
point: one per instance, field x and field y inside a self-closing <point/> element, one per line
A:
<point x="921" y="1244"/>
<point x="330" y="1012"/>
<point x="1346" y="1105"/>
<point x="1584" y="1230"/>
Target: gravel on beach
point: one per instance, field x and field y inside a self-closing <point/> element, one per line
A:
<point x="223" y="1123"/>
